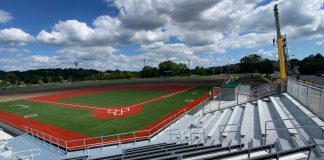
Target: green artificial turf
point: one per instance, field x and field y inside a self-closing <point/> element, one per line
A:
<point x="116" y="97"/>
<point x="81" y="121"/>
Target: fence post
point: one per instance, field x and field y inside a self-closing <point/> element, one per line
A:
<point x="322" y="102"/>
<point x="298" y="86"/>
<point x="66" y="148"/>
<point x="307" y="97"/>
<point x="258" y="92"/>
<point x="219" y="99"/>
<point x="237" y="100"/>
<point x="102" y="143"/>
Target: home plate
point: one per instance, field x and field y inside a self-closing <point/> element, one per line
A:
<point x="30" y="115"/>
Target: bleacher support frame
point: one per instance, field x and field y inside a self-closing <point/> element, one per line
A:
<point x="277" y="155"/>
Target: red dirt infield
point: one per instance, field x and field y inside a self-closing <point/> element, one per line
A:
<point x="75" y="141"/>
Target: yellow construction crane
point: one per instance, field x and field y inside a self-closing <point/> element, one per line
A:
<point x="281" y="41"/>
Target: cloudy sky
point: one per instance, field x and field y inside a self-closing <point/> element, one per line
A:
<point x="107" y="34"/>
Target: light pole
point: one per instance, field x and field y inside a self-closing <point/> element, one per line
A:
<point x="76" y="65"/>
<point x="144" y="68"/>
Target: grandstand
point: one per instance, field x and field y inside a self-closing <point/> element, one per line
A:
<point x="264" y="122"/>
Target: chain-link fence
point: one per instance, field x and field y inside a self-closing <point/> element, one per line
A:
<point x="311" y="96"/>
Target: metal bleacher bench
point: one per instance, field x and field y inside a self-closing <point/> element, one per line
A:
<point x="261" y="106"/>
<point x="247" y="119"/>
<point x="283" y="116"/>
<point x="217" y="124"/>
<point x="313" y="117"/>
<point x="231" y="121"/>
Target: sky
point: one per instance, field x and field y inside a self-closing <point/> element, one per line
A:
<point x="120" y="34"/>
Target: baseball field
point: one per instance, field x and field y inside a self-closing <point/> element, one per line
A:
<point x="89" y="113"/>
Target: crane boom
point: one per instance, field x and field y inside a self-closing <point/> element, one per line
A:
<point x="281" y="54"/>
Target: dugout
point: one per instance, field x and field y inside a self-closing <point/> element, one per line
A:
<point x="230" y="91"/>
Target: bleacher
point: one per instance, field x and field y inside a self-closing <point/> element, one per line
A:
<point x="276" y="126"/>
<point x="270" y="127"/>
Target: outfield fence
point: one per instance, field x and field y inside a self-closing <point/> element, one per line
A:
<point x="101" y="141"/>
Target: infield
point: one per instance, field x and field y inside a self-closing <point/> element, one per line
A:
<point x="71" y="116"/>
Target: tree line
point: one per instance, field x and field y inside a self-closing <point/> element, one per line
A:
<point x="253" y="63"/>
<point x="309" y="65"/>
<point x="59" y="75"/>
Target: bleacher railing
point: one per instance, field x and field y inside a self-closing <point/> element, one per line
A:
<point x="101" y="141"/>
<point x="311" y="96"/>
<point x="243" y="97"/>
<point x="26" y="154"/>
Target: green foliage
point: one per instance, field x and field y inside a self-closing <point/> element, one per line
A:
<point x="312" y="64"/>
<point x="176" y="69"/>
<point x="60" y="75"/>
<point x="254" y="63"/>
<point x="168" y="66"/>
<point x="200" y="71"/>
<point x="149" y="71"/>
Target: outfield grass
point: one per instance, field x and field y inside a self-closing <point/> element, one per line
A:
<point x="81" y="121"/>
<point x="116" y="97"/>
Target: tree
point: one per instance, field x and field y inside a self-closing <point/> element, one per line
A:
<point x="11" y="77"/>
<point x="167" y="66"/>
<point x="182" y="69"/>
<point x="200" y="71"/>
<point x="250" y="63"/>
<point x="293" y="63"/>
<point x="266" y="66"/>
<point x="312" y="64"/>
<point x="58" y="79"/>
<point x="47" y="79"/>
<point x="149" y="71"/>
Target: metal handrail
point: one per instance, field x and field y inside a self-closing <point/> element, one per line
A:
<point x="223" y="131"/>
<point x="14" y="154"/>
<point x="199" y="133"/>
<point x="254" y="92"/>
<point x="170" y="133"/>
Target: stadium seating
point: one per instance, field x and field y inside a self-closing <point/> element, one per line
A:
<point x="270" y="127"/>
<point x="267" y="128"/>
<point x="270" y="120"/>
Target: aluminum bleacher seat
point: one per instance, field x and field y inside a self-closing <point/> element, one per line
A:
<point x="241" y="154"/>
<point x="199" y="153"/>
<point x="202" y="120"/>
<point x="220" y="121"/>
<point x="247" y="119"/>
<point x="232" y="120"/>
<point x="283" y="116"/>
<point x="262" y="116"/>
<point x="212" y="117"/>
<point x="315" y="119"/>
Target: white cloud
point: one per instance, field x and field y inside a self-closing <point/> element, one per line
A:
<point x="39" y="59"/>
<point x="204" y="28"/>
<point x="14" y="36"/>
<point x="105" y="31"/>
<point x="5" y="16"/>
<point x="320" y="42"/>
<point x="267" y="54"/>
<point x="13" y="50"/>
